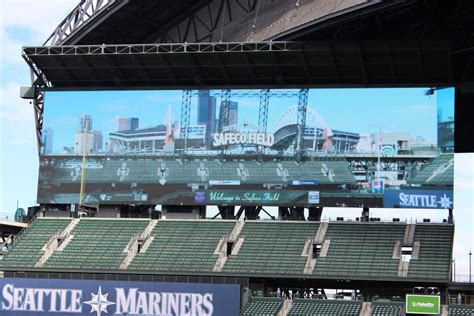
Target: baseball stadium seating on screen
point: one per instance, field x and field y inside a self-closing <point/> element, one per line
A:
<point x="439" y="171"/>
<point x="323" y="170"/>
<point x="349" y="249"/>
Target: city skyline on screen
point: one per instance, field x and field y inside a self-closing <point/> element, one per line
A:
<point x="365" y="111"/>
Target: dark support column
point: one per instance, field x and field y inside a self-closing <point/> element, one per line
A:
<point x="283" y="212"/>
<point x="227" y="211"/>
<point x="314" y="213"/>
<point x="365" y="214"/>
<point x="252" y="212"/>
<point x="297" y="213"/>
<point x="450" y="216"/>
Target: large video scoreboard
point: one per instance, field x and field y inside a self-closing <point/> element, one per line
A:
<point x="213" y="147"/>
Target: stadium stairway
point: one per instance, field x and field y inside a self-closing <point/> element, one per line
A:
<point x="317" y="240"/>
<point x="221" y="249"/>
<point x="57" y="242"/>
<point x="138" y="243"/>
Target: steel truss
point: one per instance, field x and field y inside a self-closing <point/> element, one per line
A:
<point x="38" y="106"/>
<point x="185" y="116"/>
<point x="85" y="11"/>
<point x="263" y="109"/>
<point x="128" y="49"/>
<point x="208" y="24"/>
<point x="301" y="121"/>
<point x="224" y="109"/>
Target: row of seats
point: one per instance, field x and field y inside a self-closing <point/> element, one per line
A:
<point x="361" y="249"/>
<point x="439" y="171"/>
<point x="434" y="259"/>
<point x="28" y="248"/>
<point x="97" y="244"/>
<point x="266" y="247"/>
<point x="303" y="307"/>
<point x="183" y="246"/>
<point x="152" y="171"/>
<point x="262" y="306"/>
<point x="460" y="310"/>
<point x="272" y="247"/>
<point x="381" y="308"/>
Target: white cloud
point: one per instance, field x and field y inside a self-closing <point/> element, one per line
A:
<point x="38" y="17"/>
<point x="16" y="116"/>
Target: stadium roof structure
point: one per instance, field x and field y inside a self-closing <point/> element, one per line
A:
<point x="118" y="44"/>
<point x="366" y="63"/>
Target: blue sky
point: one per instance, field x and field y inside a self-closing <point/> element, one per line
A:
<point x="29" y="22"/>
<point x="364" y="110"/>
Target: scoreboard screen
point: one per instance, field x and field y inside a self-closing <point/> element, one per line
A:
<point x="294" y="147"/>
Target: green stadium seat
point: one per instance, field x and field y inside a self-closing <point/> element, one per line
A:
<point x="272" y="247"/>
<point x="310" y="307"/>
<point x="361" y="249"/>
<point x="26" y="251"/>
<point x="97" y="244"/>
<point x="183" y="246"/>
<point x="262" y="306"/>
<point x="382" y="308"/>
<point x="460" y="310"/>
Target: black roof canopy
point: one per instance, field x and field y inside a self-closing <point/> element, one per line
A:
<point x="246" y="65"/>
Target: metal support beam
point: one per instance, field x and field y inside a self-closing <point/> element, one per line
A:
<point x="38" y="104"/>
<point x="185" y="116"/>
<point x="301" y="121"/>
<point x="263" y="110"/>
<point x="83" y="13"/>
<point x="224" y="109"/>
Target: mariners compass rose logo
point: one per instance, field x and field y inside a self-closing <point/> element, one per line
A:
<point x="99" y="302"/>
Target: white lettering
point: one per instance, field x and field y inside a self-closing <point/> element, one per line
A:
<point x="76" y="296"/>
<point x="126" y="303"/>
<point x="154" y="304"/>
<point x="173" y="306"/>
<point x="142" y="306"/>
<point x="196" y="304"/>
<point x="29" y="304"/>
<point x="208" y="306"/>
<point x="224" y="139"/>
<point x="184" y="306"/>
<point x="7" y="294"/>
<point x="18" y="298"/>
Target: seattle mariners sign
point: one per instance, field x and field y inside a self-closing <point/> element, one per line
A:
<point x="97" y="298"/>
<point x="418" y="199"/>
